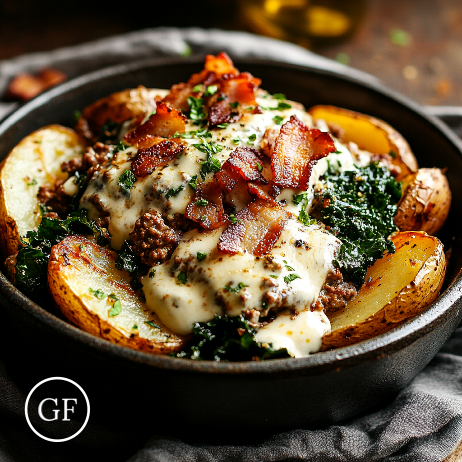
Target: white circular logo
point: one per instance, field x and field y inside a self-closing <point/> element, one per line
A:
<point x="57" y="401"/>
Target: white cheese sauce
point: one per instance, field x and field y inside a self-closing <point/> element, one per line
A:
<point x="300" y="335"/>
<point x="185" y="290"/>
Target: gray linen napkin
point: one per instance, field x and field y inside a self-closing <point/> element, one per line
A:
<point x="423" y="423"/>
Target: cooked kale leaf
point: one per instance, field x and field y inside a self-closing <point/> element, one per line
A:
<point x="32" y="259"/>
<point x="228" y="339"/>
<point x="359" y="207"/>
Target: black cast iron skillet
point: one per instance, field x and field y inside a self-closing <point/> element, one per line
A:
<point x="225" y="400"/>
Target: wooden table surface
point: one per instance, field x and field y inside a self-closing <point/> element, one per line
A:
<point x="428" y="69"/>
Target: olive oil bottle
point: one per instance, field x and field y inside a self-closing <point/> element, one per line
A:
<point x="310" y="23"/>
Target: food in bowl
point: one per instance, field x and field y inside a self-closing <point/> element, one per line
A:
<point x="218" y="221"/>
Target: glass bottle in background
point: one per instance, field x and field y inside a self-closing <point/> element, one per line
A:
<point x="310" y="23"/>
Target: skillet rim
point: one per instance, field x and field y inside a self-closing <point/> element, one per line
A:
<point x="375" y="348"/>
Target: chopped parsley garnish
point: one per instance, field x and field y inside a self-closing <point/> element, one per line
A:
<point x="152" y="273"/>
<point x="198" y="88"/>
<point x="174" y="191"/>
<point x="228" y="339"/>
<point x="289" y="268"/>
<point x="278" y="119"/>
<point x="181" y="278"/>
<point x="211" y="164"/>
<point x="193" y="182"/>
<point x="201" y="256"/>
<point x="259" y="167"/>
<point x="236" y="289"/>
<point x="252" y="138"/>
<point x="135" y="327"/>
<point x="306" y="219"/>
<point x="234" y="105"/>
<point x="202" y="202"/>
<point x="150" y="323"/>
<point x="392" y="154"/>
<point x="196" y="109"/>
<point x="126" y="181"/>
<point x="193" y="134"/>
<point x="32" y="182"/>
<point x="236" y="140"/>
<point x="291" y="277"/>
<point x="232" y="218"/>
<point x="116" y="306"/>
<point x="109" y="132"/>
<point x="274" y="276"/>
<point x="99" y="294"/>
<point x="283" y="106"/>
<point x="279" y="96"/>
<point x="211" y="90"/>
<point x="296" y="199"/>
<point x="360" y="206"/>
<point x="223" y="125"/>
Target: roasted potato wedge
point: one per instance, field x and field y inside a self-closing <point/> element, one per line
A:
<point x="370" y="134"/>
<point x="86" y="285"/>
<point x="126" y="105"/>
<point x="398" y="287"/>
<point x="425" y="203"/>
<point x="34" y="162"/>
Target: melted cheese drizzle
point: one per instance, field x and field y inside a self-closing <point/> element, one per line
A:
<point x="305" y="251"/>
<point x="180" y="305"/>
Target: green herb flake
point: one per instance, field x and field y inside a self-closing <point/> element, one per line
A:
<point x="174" y="191"/>
<point x="278" y="120"/>
<point x="291" y="277"/>
<point x="196" y="109"/>
<point x="211" y="164"/>
<point x="280" y="96"/>
<point x="236" y="289"/>
<point x="116" y="306"/>
<point x="202" y="202"/>
<point x="296" y="199"/>
<point x="186" y="51"/>
<point x="152" y="273"/>
<point x="392" y="154"/>
<point x="126" y="181"/>
<point x="150" y="323"/>
<point x="127" y="260"/>
<point x="289" y="268"/>
<point x="253" y="137"/>
<point x="193" y="182"/>
<point x="223" y="125"/>
<point x="259" y="167"/>
<point x="181" y="278"/>
<point x="198" y="88"/>
<point x="305" y="218"/>
<point x="275" y="276"/>
<point x="135" y="327"/>
<point x="99" y="294"/>
<point x="283" y="106"/>
<point x="234" y="105"/>
<point x="232" y="218"/>
<point x="201" y="256"/>
<point x="32" y="182"/>
<point x="211" y="90"/>
<point x="236" y="140"/>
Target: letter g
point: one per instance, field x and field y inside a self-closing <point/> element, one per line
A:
<point x="56" y="411"/>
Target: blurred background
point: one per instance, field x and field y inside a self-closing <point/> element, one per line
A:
<point x="413" y="46"/>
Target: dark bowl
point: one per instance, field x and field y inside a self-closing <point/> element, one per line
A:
<point x="259" y="396"/>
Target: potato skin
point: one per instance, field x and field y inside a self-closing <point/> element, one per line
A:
<point x="118" y="107"/>
<point x="425" y="203"/>
<point x="406" y="303"/>
<point x="78" y="264"/>
<point x="35" y="161"/>
<point x="371" y="134"/>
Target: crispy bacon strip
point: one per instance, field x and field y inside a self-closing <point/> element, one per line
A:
<point x="247" y="163"/>
<point x="220" y="64"/>
<point x="240" y="88"/>
<point x="257" y="229"/>
<point x="296" y="150"/>
<point x="267" y="192"/>
<point x="242" y="164"/>
<point x="215" y="68"/>
<point x="165" y="122"/>
<point x="221" y="112"/>
<point x="147" y="160"/>
<point x="206" y="207"/>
